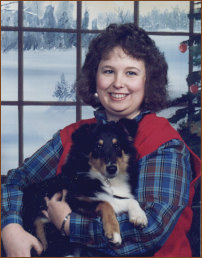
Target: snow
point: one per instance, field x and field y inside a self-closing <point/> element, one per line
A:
<point x="43" y="70"/>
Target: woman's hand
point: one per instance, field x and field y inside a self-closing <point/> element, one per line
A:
<point x="57" y="209"/>
<point x="18" y="242"/>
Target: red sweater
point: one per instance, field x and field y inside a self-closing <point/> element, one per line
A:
<point x="152" y="132"/>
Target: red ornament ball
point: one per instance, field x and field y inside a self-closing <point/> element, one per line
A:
<point x="183" y="47"/>
<point x="193" y="88"/>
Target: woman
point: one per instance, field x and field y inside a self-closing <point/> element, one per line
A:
<point x="124" y="75"/>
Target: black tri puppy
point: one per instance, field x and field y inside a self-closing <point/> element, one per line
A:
<point x="100" y="174"/>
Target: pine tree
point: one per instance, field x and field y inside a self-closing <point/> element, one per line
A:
<point x="189" y="117"/>
<point x="63" y="90"/>
<point x="49" y="22"/>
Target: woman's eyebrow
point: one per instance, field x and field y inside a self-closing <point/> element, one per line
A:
<point x="126" y="68"/>
<point x="106" y="66"/>
<point x="132" y="68"/>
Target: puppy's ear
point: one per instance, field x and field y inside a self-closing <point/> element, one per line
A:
<point x="82" y="134"/>
<point x="130" y="126"/>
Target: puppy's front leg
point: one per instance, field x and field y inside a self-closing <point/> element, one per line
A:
<point x="136" y="215"/>
<point x="110" y="223"/>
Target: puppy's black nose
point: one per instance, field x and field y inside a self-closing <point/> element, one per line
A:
<point x="111" y="170"/>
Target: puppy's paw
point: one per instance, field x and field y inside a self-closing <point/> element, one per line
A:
<point x="114" y="238"/>
<point x="138" y="218"/>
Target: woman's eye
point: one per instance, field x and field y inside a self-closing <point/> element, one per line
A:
<point x="108" y="71"/>
<point x="131" y="73"/>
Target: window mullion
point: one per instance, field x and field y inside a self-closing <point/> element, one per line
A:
<point x="136" y="12"/>
<point x="78" y="57"/>
<point x="191" y="30"/>
<point x="20" y="82"/>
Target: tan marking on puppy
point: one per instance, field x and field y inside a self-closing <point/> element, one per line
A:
<point x="39" y="224"/>
<point x="101" y="142"/>
<point x="114" y="140"/>
<point x="110" y="223"/>
<point x="97" y="165"/>
<point x="123" y="162"/>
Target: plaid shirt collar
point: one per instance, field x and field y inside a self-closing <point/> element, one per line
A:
<point x="101" y="117"/>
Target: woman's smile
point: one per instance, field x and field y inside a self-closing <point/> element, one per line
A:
<point x="118" y="96"/>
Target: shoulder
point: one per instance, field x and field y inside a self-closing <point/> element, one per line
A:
<point x="153" y="131"/>
<point x="155" y="122"/>
<point x="151" y="125"/>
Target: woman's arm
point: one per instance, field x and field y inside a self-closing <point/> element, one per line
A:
<point x="18" y="243"/>
<point x="40" y="166"/>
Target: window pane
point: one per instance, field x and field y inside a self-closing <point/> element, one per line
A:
<point x="40" y="123"/>
<point x="197" y="26"/>
<point x="177" y="62"/>
<point x="9" y="13"/>
<point x="49" y="73"/>
<point x="164" y="15"/>
<point x="9" y="138"/>
<point x="9" y="65"/>
<point x="87" y="112"/>
<point x="99" y="14"/>
<point x="85" y="40"/>
<point x="50" y="14"/>
<point x="197" y="12"/>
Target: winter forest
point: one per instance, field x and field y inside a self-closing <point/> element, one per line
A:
<point x="62" y="17"/>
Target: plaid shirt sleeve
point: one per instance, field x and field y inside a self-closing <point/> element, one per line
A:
<point x="40" y="166"/>
<point x="163" y="192"/>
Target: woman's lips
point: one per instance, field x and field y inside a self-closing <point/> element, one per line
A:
<point x="118" y="96"/>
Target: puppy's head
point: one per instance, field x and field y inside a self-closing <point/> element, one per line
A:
<point x="112" y="147"/>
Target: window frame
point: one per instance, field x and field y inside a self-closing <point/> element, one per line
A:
<point x="21" y="103"/>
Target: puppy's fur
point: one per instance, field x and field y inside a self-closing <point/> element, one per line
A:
<point x="99" y="174"/>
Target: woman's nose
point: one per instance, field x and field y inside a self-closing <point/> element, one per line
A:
<point x="118" y="81"/>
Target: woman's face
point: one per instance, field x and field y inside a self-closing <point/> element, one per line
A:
<point x="120" y="84"/>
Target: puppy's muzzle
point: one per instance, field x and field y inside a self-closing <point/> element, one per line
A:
<point x="111" y="170"/>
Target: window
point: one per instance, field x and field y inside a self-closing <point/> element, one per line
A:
<point x="43" y="44"/>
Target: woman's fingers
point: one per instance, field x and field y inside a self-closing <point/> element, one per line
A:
<point x="45" y="213"/>
<point x="37" y="246"/>
<point x="56" y="197"/>
<point x="64" y="194"/>
<point x="60" y="196"/>
<point x="46" y="200"/>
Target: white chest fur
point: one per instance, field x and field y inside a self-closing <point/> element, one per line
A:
<point x="119" y="187"/>
<point x="112" y="190"/>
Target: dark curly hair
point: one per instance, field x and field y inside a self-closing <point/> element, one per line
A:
<point x="136" y="43"/>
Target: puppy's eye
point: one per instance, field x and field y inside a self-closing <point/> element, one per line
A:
<point x="99" y="146"/>
<point x="116" y="146"/>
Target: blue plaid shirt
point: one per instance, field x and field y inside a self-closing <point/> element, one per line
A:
<point x="163" y="192"/>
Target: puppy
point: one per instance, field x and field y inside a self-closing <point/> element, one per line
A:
<point x="100" y="176"/>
